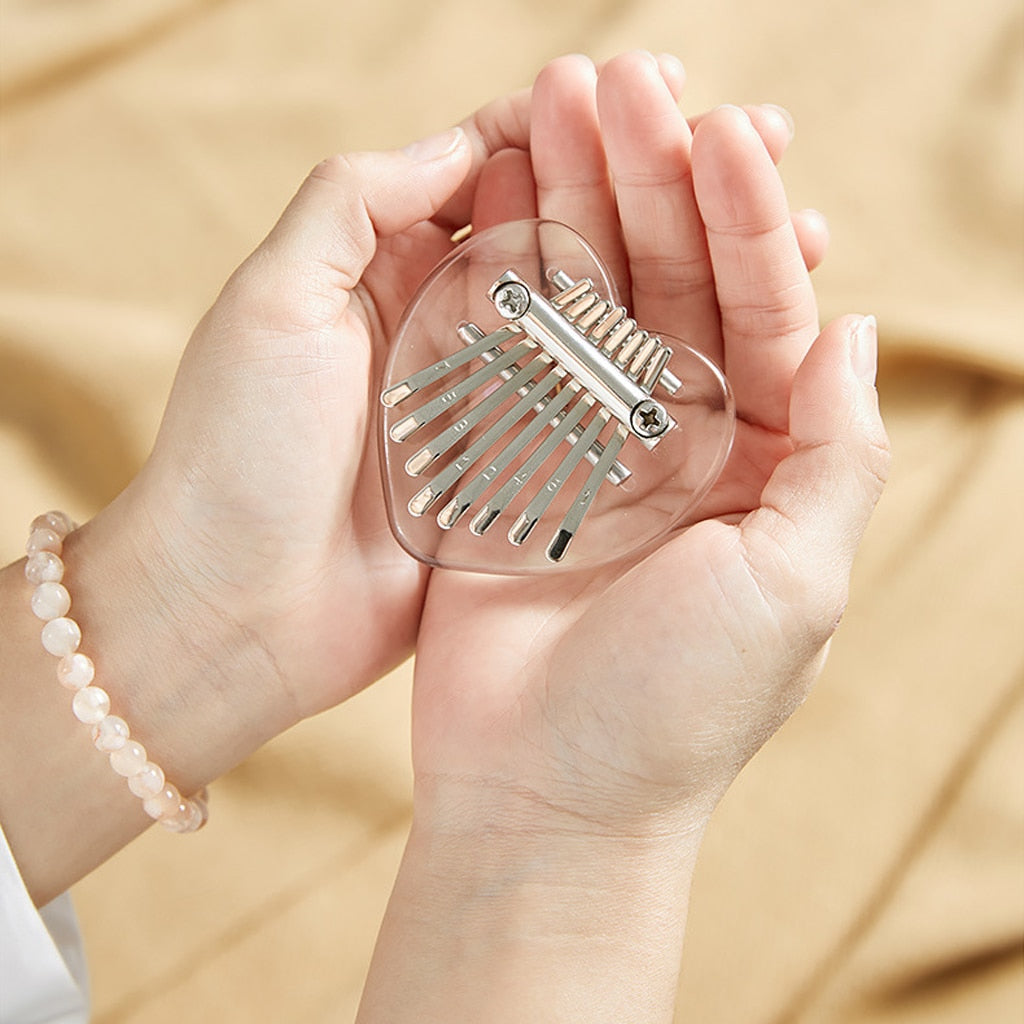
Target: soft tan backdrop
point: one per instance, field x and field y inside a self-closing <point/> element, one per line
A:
<point x="867" y="867"/>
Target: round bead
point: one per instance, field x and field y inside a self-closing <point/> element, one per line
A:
<point x="50" y="601"/>
<point x="148" y="781"/>
<point x="75" y="670"/>
<point x="129" y="759"/>
<point x="44" y="567"/>
<point x="61" y="636"/>
<point x="166" y="802"/>
<point x="43" y="539"/>
<point x="179" y="819"/>
<point x="90" y="704"/>
<point x="189" y="817"/>
<point x="59" y="522"/>
<point x="202" y="814"/>
<point x="110" y="734"/>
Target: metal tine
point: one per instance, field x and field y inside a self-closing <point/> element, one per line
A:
<point x="622" y="331"/>
<point x="401" y="391"/>
<point x="483" y="520"/>
<point x="452" y="473"/>
<point x="523" y="526"/>
<point x="570" y="290"/>
<point x="629" y="349"/>
<point x="574" y="311"/>
<point x="574" y="517"/>
<point x="596" y="312"/>
<point x="432" y="409"/>
<point x="613" y="319"/>
<point x="618" y="473"/>
<point x="653" y="373"/>
<point x="667" y="379"/>
<point x="471" y="492"/>
<point x="649" y="347"/>
<point x="589" y="309"/>
<point x="435" y="448"/>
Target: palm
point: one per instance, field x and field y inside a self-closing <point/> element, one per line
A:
<point x="493" y="656"/>
<point x="304" y="536"/>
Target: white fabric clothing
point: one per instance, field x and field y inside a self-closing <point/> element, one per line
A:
<point x="43" y="977"/>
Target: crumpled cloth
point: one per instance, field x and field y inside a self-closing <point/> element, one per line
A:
<point x="867" y="866"/>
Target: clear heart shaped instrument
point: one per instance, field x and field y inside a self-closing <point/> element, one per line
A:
<point x="530" y="424"/>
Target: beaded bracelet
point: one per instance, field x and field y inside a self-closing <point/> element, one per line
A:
<point x="91" y="704"/>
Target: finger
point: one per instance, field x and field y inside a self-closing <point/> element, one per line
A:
<point x="648" y="145"/>
<point x="773" y="123"/>
<point x="673" y="73"/>
<point x="569" y="164"/>
<point x="812" y="236"/>
<point x="505" y="124"/>
<point x="505" y="190"/>
<point x="502" y="124"/>
<point x="329" y="232"/>
<point x="767" y="305"/>
<point x="671" y="69"/>
<point x="801" y="541"/>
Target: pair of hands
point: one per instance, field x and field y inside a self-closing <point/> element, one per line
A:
<point x="609" y="697"/>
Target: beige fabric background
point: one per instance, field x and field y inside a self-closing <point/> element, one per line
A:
<point x="869" y="864"/>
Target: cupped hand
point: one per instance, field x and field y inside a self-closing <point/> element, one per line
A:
<point x="628" y="698"/>
<point x="260" y="506"/>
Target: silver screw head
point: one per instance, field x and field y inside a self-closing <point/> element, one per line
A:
<point x="649" y="418"/>
<point x="512" y="300"/>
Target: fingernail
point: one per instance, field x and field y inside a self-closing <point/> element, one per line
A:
<point x="434" y="146"/>
<point x="670" y="62"/>
<point x="784" y="114"/>
<point x="734" y="110"/>
<point x="812" y="214"/>
<point x="864" y="349"/>
<point x="814" y="219"/>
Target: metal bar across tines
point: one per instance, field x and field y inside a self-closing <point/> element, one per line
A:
<point x="607" y="382"/>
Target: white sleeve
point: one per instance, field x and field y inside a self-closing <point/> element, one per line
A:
<point x="43" y="979"/>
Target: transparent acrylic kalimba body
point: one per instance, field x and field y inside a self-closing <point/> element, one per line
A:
<point x="529" y="424"/>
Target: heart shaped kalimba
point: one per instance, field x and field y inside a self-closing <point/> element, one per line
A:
<point x="530" y="424"/>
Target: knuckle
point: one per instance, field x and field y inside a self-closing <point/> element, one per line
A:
<point x="786" y="312"/>
<point x="335" y="170"/>
<point x="876" y="460"/>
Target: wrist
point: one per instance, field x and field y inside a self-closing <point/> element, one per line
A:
<point x="189" y="680"/>
<point x="542" y="916"/>
<point x="176" y="676"/>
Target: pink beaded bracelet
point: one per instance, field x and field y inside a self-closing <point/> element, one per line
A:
<point x="91" y="704"/>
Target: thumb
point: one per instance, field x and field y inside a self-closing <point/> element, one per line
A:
<point x="816" y="504"/>
<point x="349" y="201"/>
<point x="344" y="206"/>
